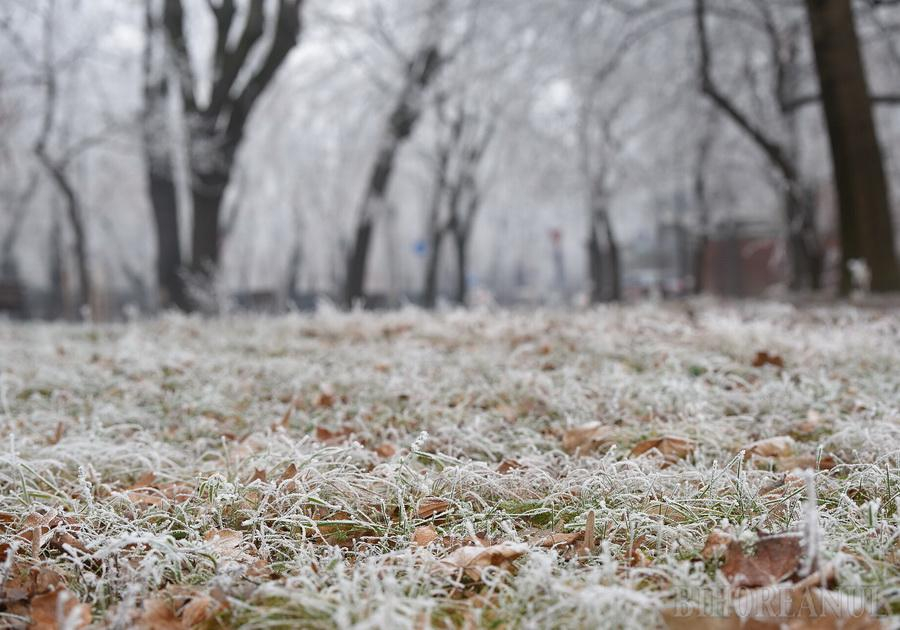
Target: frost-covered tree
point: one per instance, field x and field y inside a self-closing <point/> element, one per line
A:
<point x="250" y="46"/>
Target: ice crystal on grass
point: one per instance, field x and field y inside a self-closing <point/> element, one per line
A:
<point x="272" y="472"/>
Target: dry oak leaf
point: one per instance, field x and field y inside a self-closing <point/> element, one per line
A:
<point x="57" y="610"/>
<point x="24" y="583"/>
<point x="289" y="473"/>
<point x="716" y="544"/>
<point x="332" y="438"/>
<point x="326" y="397"/>
<point x="580" y="543"/>
<point x="784" y="485"/>
<point x="811" y="461"/>
<point x="424" y="536"/>
<point x="773" y="558"/>
<point x="199" y="610"/>
<point x="51" y="529"/>
<point x="671" y="447"/>
<point x="764" y="358"/>
<point x="259" y="474"/>
<point x="386" y="450"/>
<point x="507" y="465"/>
<point x="430" y="506"/>
<point x="159" y="614"/>
<point x="472" y="560"/>
<point x="179" y="608"/>
<point x="779" y="446"/>
<point x="226" y="543"/>
<point x="549" y="540"/>
<point x="586" y="437"/>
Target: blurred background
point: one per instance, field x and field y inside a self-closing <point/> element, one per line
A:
<point x="209" y="155"/>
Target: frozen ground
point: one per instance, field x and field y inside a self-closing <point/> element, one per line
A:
<point x="344" y="470"/>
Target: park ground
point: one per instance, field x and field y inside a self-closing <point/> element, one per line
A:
<point x="615" y="467"/>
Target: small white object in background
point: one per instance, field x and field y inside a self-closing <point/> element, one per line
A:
<point x="860" y="276"/>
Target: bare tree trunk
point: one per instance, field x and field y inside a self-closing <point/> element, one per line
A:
<point x="867" y="230"/>
<point x="376" y="198"/>
<point x="429" y="293"/>
<point x="57" y="301"/>
<point x="160" y="169"/>
<point x="76" y="223"/>
<point x="615" y="274"/>
<point x="603" y="257"/>
<point x="74" y="214"/>
<point x="804" y="248"/>
<point x="701" y="199"/>
<point x="206" y="236"/>
<point x="461" y="240"/>
<point x="421" y="71"/>
<point x="169" y="271"/>
<point x="217" y="128"/>
<point x="56" y="169"/>
<point x="595" y="265"/>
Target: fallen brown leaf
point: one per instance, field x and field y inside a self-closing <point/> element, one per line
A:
<point x="326" y="397"/>
<point x="671" y="447"/>
<point x="783" y="485"/>
<point x="198" y="610"/>
<point x="386" y="450"/>
<point x="472" y="560"/>
<point x="58" y="610"/>
<point x="289" y="473"/>
<point x="226" y="543"/>
<point x="430" y="506"/>
<point x="779" y="446"/>
<point x="716" y="544"/>
<point x="258" y="475"/>
<point x="424" y="536"/>
<point x="159" y="614"/>
<point x="773" y="558"/>
<point x="558" y="539"/>
<point x="586" y="437"/>
<point x="827" y="462"/>
<point x="764" y="358"/>
<point x="507" y="465"/>
<point x="333" y="437"/>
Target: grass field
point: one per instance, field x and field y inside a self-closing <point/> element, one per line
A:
<point x="466" y="469"/>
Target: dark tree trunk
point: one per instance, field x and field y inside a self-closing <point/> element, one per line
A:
<point x="461" y="240"/>
<point x="160" y="169"/>
<point x="356" y="266"/>
<point x="56" y="304"/>
<point x="429" y="293"/>
<point x="603" y="260"/>
<point x="216" y="129"/>
<point x="75" y="217"/>
<point x="701" y="199"/>
<point x="169" y="272"/>
<point x="867" y="230"/>
<point x="595" y="266"/>
<point x="205" y="235"/>
<point x="615" y="274"/>
<point x="805" y="247"/>
<point x="421" y="71"/>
